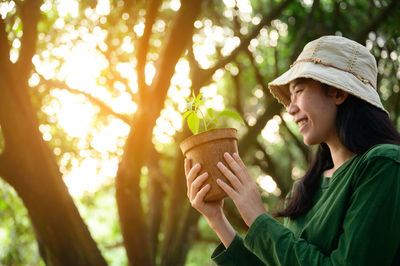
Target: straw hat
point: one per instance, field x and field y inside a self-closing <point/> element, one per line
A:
<point x="335" y="61"/>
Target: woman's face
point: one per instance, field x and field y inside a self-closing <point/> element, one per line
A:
<point x="314" y="110"/>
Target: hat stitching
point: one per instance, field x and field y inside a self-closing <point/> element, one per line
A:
<point x="319" y="61"/>
<point x="316" y="47"/>
<point x="353" y="59"/>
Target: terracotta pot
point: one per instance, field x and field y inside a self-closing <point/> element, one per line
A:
<point x="208" y="148"/>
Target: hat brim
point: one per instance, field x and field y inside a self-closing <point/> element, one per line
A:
<point x="328" y="75"/>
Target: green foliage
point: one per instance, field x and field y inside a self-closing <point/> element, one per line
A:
<point x="17" y="239"/>
<point x="100" y="214"/>
<point x="200" y="254"/>
<point x="201" y="251"/>
<point x="210" y="121"/>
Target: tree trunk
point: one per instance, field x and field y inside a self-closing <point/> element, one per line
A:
<point x="29" y="166"/>
<point x="133" y="225"/>
<point x="176" y="209"/>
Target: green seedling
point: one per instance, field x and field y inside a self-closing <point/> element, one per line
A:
<point x="194" y="115"/>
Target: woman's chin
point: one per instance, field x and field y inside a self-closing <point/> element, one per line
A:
<point x="309" y="141"/>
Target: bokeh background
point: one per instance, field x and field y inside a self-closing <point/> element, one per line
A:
<point x="91" y="101"/>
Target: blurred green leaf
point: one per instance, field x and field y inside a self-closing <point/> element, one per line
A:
<point x="193" y="123"/>
<point x="232" y="114"/>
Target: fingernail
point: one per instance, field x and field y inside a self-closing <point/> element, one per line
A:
<point x="197" y="165"/>
<point x="219" y="164"/>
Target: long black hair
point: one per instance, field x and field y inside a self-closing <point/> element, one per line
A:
<point x="360" y="126"/>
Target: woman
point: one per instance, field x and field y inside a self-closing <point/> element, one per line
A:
<point x="346" y="208"/>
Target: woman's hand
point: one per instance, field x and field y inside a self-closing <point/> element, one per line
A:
<point x="244" y="191"/>
<point x="210" y="210"/>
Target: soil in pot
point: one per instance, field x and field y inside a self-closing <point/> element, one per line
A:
<point x="208" y="148"/>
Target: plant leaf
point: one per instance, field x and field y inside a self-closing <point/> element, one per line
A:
<point x="212" y="124"/>
<point x="200" y="102"/>
<point x="193" y="123"/>
<point x="186" y="114"/>
<point x="232" y="114"/>
<point x="198" y="98"/>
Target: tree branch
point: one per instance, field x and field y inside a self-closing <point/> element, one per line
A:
<point x="260" y="79"/>
<point x="238" y="98"/>
<point x="298" y="143"/>
<point x="362" y="34"/>
<point x="271" y="169"/>
<point x="114" y="76"/>
<point x="3" y="166"/>
<point x="273" y="108"/>
<point x="276" y="69"/>
<point x="4" y="45"/>
<point x="138" y="144"/>
<point x="115" y="245"/>
<point x="153" y="163"/>
<point x="143" y="46"/>
<point x="176" y="205"/>
<point x="30" y="15"/>
<point x="185" y="235"/>
<point x="156" y="191"/>
<point x="205" y="74"/>
<point x="7" y="69"/>
<point x="103" y="107"/>
<point x="178" y="38"/>
<point x="300" y="33"/>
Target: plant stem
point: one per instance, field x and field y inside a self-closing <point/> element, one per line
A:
<point x="204" y="120"/>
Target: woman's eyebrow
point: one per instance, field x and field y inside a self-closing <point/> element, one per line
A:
<point x="292" y="87"/>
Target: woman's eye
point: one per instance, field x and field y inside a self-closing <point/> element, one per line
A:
<point x="298" y="91"/>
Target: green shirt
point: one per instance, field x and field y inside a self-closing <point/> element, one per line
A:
<point x="355" y="220"/>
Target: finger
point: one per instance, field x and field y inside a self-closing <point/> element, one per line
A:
<point x="238" y="160"/>
<point x="195" y="186"/>
<point x="228" y="189"/>
<point x="229" y="175"/>
<point x="193" y="172"/>
<point x="238" y="167"/>
<point x="188" y="165"/>
<point x="200" y="196"/>
<point x="237" y="170"/>
<point x="244" y="176"/>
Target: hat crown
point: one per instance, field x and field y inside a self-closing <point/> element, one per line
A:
<point x="342" y="53"/>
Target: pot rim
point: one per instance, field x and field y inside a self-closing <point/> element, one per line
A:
<point x="207" y="136"/>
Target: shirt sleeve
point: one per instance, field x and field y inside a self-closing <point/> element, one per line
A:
<point x="371" y="231"/>
<point x="235" y="254"/>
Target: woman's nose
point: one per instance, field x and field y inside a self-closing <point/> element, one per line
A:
<point x="292" y="108"/>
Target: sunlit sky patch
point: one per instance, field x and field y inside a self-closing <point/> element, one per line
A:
<point x="6" y="7"/>
<point x="271" y="130"/>
<point x="75" y="114"/>
<point x="268" y="184"/>
<point x="66" y="7"/>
